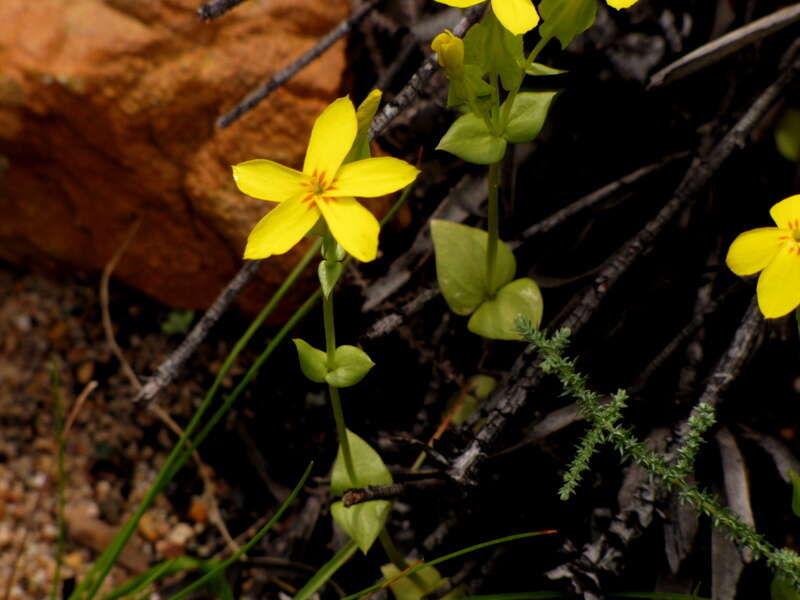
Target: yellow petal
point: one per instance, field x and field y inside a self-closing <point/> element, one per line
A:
<point x="281" y="228"/>
<point x="786" y="213"/>
<point x="618" y="4"/>
<point x="331" y="138"/>
<point x="353" y="226"/>
<point x="518" y="16"/>
<point x="267" y="180"/>
<point x="754" y="249"/>
<point x="779" y="285"/>
<point x="460" y="3"/>
<point x="372" y="177"/>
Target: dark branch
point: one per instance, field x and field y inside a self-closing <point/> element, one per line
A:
<point x="252" y="99"/>
<point x="390" y="491"/>
<point x="216" y="8"/>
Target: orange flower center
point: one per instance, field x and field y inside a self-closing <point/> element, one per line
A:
<point x="317" y="187"/>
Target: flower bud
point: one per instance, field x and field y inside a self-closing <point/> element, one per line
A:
<point x="450" y="50"/>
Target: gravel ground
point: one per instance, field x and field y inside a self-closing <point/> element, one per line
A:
<point x="113" y="449"/>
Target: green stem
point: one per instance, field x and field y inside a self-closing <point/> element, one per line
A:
<point x="506" y="112"/>
<point x="397" y="559"/>
<point x="330" y="349"/>
<point x="494" y="225"/>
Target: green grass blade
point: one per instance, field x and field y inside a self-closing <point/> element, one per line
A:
<point x="153" y="574"/>
<point x="91" y="583"/>
<point x="326" y="571"/>
<point x="446" y="557"/>
<point x="252" y="542"/>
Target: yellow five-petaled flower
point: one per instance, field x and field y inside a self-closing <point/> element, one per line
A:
<point x="325" y="187"/>
<point x="775" y="251"/>
<point x="520" y="16"/>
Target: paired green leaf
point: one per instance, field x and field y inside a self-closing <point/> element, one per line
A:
<point x="496" y="318"/>
<point x="429" y="581"/>
<point x="470" y="139"/>
<point x="362" y="522"/>
<point x="313" y="362"/>
<point x="527" y="116"/>
<point x="496" y="50"/>
<point x="350" y="364"/>
<point x="461" y="265"/>
<point x="566" y="19"/>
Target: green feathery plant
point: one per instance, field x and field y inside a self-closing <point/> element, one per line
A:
<point x="605" y="418"/>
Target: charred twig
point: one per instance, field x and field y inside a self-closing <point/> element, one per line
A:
<point x="604" y="554"/>
<point x="168" y="370"/>
<point x="717" y="49"/>
<point x="415" y="85"/>
<point x="389" y="322"/>
<point x="390" y="491"/>
<point x="525" y="375"/>
<point x="251" y="100"/>
<point x="725" y="372"/>
<point x="690" y="328"/>
<point x="593" y="198"/>
<point x="216" y="8"/>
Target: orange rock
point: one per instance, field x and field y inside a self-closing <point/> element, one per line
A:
<point x="107" y="112"/>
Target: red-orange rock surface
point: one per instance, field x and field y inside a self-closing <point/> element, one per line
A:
<point x="107" y="115"/>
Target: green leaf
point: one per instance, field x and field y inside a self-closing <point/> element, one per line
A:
<point x="537" y="69"/>
<point x="496" y="318"/>
<point x="329" y="272"/>
<point x="795" y="479"/>
<point x="362" y="522"/>
<point x="495" y="50"/>
<point x="787" y="135"/>
<point x="367" y="464"/>
<point x="527" y="117"/>
<point x="565" y="19"/>
<point x="313" y="362"/>
<point x="364" y="116"/>
<point x="471" y="84"/>
<point x="461" y="265"/>
<point x="350" y="365"/>
<point x="470" y="139"/>
<point x="478" y="388"/>
<point x="782" y="589"/>
<point x="406" y="588"/>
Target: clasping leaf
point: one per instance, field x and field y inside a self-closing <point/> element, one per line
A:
<point x="362" y="522"/>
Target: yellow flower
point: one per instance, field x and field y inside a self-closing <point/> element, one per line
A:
<point x="325" y="187"/>
<point x="618" y="4"/>
<point x="518" y="16"/>
<point x="450" y="52"/>
<point x="776" y="252"/>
